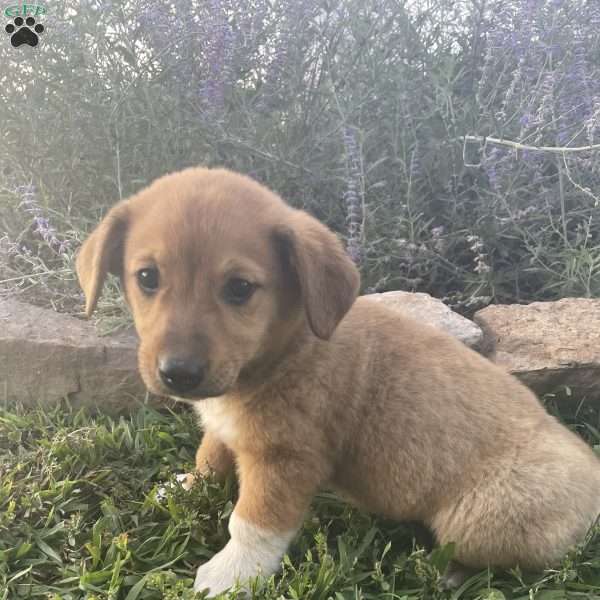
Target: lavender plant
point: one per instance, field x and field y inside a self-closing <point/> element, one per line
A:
<point x="38" y="257"/>
<point x="40" y="223"/>
<point x="540" y="87"/>
<point x="353" y="195"/>
<point x="356" y="111"/>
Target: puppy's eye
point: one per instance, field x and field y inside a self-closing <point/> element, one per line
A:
<point x="148" y="279"/>
<point x="238" y="291"/>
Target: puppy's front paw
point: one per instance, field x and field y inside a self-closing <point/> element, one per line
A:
<point x="185" y="480"/>
<point x="234" y="565"/>
<point x="250" y="551"/>
<point x="220" y="573"/>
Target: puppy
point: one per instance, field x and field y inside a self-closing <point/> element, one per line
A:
<point x="245" y="308"/>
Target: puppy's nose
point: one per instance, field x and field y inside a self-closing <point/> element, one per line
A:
<point x="181" y="374"/>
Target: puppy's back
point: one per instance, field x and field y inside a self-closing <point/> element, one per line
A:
<point x="436" y="419"/>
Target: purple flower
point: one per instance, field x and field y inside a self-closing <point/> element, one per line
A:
<point x="42" y="224"/>
<point x="283" y="45"/>
<point x="525" y="120"/>
<point x="219" y="52"/>
<point x="541" y="84"/>
<point x="415" y="162"/>
<point x="495" y="166"/>
<point x="353" y="194"/>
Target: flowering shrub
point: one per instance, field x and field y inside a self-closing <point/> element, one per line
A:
<point x="540" y="86"/>
<point x="354" y="110"/>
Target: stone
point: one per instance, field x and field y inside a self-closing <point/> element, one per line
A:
<point x="46" y="356"/>
<point x="547" y="344"/>
<point x="426" y="309"/>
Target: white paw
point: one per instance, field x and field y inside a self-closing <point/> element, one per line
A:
<point x="186" y="480"/>
<point x="222" y="572"/>
<point x="250" y="551"/>
<point x="183" y="479"/>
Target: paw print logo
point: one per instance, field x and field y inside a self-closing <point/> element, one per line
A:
<point x="24" y="32"/>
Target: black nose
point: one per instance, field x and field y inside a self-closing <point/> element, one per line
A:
<point x="181" y="374"/>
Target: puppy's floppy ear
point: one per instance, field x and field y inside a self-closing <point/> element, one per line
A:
<point x="102" y="253"/>
<point x="327" y="277"/>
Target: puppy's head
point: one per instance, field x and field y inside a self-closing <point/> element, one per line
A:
<point x="220" y="275"/>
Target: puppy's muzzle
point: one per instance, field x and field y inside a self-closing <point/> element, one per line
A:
<point x="181" y="375"/>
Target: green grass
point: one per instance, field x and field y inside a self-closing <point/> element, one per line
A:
<point x="79" y="519"/>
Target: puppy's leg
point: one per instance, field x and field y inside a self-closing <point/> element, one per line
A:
<point x="273" y="499"/>
<point x="212" y="456"/>
<point x="527" y="513"/>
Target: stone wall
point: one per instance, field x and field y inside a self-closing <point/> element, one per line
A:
<point x="46" y="356"/>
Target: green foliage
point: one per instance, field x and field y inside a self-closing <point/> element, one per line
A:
<point x="80" y="520"/>
<point x="342" y="106"/>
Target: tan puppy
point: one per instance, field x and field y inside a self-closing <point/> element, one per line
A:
<point x="245" y="308"/>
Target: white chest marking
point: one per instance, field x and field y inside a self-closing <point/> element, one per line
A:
<point x="218" y="417"/>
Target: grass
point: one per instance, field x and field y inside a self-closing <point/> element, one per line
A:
<point x="79" y="519"/>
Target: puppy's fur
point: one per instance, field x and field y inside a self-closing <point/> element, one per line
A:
<point x="305" y="388"/>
